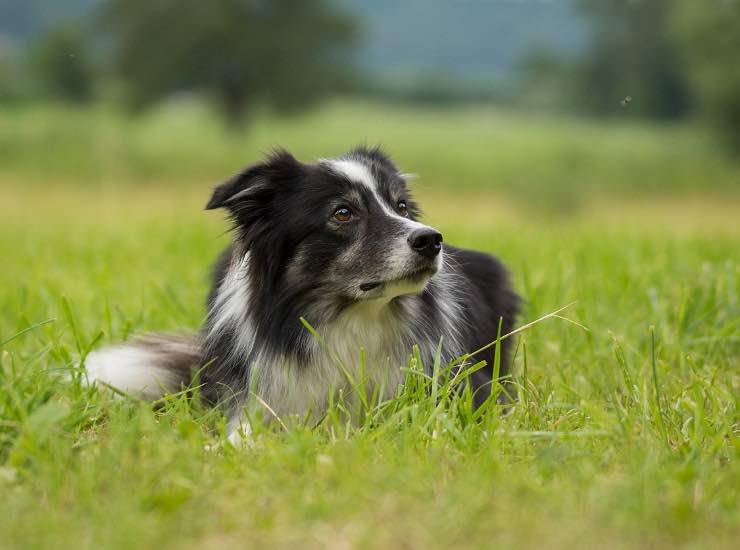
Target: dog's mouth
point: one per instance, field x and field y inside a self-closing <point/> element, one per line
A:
<point x="367" y="287"/>
<point x="414" y="277"/>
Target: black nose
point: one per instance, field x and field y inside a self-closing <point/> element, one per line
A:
<point x="426" y="242"/>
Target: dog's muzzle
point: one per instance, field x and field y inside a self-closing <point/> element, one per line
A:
<point x="426" y="241"/>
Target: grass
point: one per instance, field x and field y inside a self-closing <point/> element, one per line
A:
<point x="476" y="148"/>
<point x="625" y="436"/>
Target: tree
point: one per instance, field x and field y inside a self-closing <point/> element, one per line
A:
<point x="287" y="53"/>
<point x="709" y="35"/>
<point x="59" y="61"/>
<point x="633" y="55"/>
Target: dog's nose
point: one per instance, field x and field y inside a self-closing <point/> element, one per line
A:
<point x="426" y="241"/>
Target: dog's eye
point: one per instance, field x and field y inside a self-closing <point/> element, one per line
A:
<point x="403" y="209"/>
<point x="342" y="214"/>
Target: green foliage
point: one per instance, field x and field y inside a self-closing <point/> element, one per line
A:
<point x="59" y="62"/>
<point x="287" y="53"/>
<point x="709" y="33"/>
<point x="621" y="439"/>
<point x="632" y="54"/>
<point x="551" y="161"/>
<point x="15" y="83"/>
<point x="625" y="434"/>
<point x="658" y="58"/>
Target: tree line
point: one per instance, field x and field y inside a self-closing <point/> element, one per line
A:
<point x="655" y="59"/>
<point x="658" y="59"/>
<point x="238" y="53"/>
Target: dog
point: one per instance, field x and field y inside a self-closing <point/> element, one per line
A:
<point x="327" y="258"/>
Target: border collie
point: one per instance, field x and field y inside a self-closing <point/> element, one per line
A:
<point x="337" y="243"/>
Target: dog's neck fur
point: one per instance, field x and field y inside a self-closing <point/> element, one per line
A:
<point x="293" y="381"/>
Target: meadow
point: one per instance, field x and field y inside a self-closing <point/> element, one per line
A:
<point x="626" y="431"/>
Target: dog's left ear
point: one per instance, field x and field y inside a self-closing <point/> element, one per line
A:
<point x="256" y="181"/>
<point x="236" y="187"/>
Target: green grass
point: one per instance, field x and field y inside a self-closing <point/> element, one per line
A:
<point x="476" y="148"/>
<point x="626" y="434"/>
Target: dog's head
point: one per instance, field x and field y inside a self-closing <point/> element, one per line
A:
<point x="342" y="229"/>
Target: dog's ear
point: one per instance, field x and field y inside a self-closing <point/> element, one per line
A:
<point x="257" y="181"/>
<point x="234" y="188"/>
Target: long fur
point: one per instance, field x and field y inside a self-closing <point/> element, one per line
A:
<point x="378" y="281"/>
<point x="149" y="366"/>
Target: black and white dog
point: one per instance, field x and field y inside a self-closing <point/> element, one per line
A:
<point x="338" y="244"/>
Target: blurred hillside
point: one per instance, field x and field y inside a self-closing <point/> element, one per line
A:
<point x="552" y="162"/>
<point x="477" y="42"/>
<point x="656" y="60"/>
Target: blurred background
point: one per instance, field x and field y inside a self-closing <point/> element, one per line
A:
<point x="546" y="102"/>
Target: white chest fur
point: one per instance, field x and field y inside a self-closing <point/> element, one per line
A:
<point x="364" y="349"/>
<point x="367" y="346"/>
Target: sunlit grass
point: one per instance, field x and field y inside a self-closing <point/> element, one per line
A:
<point x="625" y="434"/>
<point x="552" y="161"/>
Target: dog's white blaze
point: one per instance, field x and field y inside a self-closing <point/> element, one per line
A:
<point x="358" y="172"/>
<point x="131" y="369"/>
<point x="353" y="170"/>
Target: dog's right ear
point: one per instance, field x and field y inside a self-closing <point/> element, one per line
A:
<point x="259" y="180"/>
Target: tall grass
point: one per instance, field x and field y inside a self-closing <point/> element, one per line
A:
<point x="624" y="434"/>
<point x="546" y="159"/>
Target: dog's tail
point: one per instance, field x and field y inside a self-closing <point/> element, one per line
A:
<point x="148" y="367"/>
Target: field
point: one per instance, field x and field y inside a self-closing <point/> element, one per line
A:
<point x="626" y="433"/>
